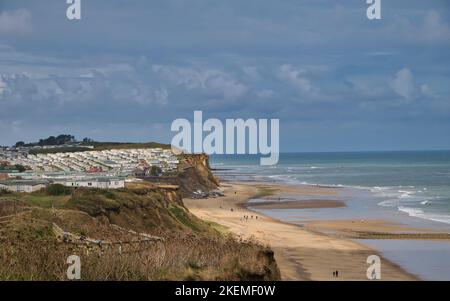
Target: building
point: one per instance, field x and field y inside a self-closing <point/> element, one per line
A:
<point x="23" y="185"/>
<point x="94" y="169"/>
<point x="103" y="183"/>
<point x="3" y="175"/>
<point x="116" y="161"/>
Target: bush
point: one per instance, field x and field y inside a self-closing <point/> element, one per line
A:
<point x="20" y="167"/>
<point x="58" y="189"/>
<point x="155" y="171"/>
<point x="4" y="191"/>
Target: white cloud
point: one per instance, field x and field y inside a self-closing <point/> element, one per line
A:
<point x="2" y="86"/>
<point x="266" y="93"/>
<point x="434" y="29"/>
<point x="15" y="22"/>
<point x="427" y="91"/>
<point x="296" y="77"/>
<point x="162" y="96"/>
<point x="252" y="72"/>
<point x="403" y="84"/>
<point x="429" y="29"/>
<point x="205" y="80"/>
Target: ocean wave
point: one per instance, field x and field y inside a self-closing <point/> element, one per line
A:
<point x="406" y="194"/>
<point x="389" y="203"/>
<point x="398" y="192"/>
<point x="417" y="212"/>
<point x="414" y="200"/>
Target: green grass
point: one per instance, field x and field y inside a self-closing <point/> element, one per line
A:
<point x="218" y="227"/>
<point x="39" y="199"/>
<point x="181" y="215"/>
<point x="45" y="201"/>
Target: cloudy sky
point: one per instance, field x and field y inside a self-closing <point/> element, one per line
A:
<point x="336" y="80"/>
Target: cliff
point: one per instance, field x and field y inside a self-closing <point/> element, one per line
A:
<point x="125" y="234"/>
<point x="195" y="173"/>
<point x="150" y="210"/>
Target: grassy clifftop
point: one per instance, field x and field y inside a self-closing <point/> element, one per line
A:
<point x="99" y="146"/>
<point x="97" y="222"/>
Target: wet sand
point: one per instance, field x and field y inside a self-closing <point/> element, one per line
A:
<point x="302" y="253"/>
<point x="305" y="204"/>
<point x="374" y="229"/>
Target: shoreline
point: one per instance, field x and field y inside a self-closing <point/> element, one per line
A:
<point x="302" y="253"/>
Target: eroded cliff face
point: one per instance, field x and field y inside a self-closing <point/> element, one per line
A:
<point x="147" y="210"/>
<point x="195" y="173"/>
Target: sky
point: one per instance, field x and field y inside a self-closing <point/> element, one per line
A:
<point x="336" y="80"/>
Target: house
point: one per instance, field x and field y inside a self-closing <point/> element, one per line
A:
<point x="103" y="183"/>
<point x="23" y="185"/>
<point x="139" y="172"/>
<point x="94" y="169"/>
<point x="4" y="175"/>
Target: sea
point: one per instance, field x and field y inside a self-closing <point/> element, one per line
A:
<point x="409" y="187"/>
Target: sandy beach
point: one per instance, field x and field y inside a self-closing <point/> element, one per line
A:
<point x="302" y="252"/>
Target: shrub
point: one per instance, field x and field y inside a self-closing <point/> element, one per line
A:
<point x="58" y="189"/>
<point x="4" y="191"/>
<point x="155" y="171"/>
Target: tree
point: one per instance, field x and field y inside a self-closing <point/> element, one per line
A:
<point x="155" y="171"/>
<point x="88" y="140"/>
<point x="20" y="144"/>
<point x="59" y="140"/>
<point x="58" y="189"/>
<point x="20" y="167"/>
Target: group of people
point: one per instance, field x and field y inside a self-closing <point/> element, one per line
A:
<point x="247" y="217"/>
